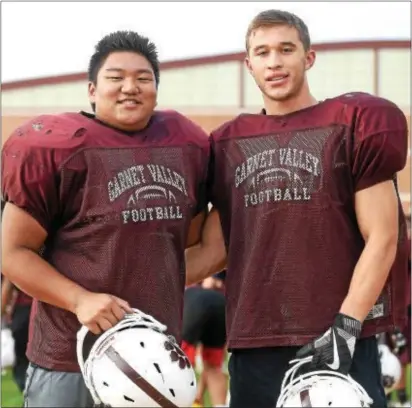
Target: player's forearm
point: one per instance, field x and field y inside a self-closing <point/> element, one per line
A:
<point x="370" y="275"/>
<point x="34" y="276"/>
<point x="202" y="262"/>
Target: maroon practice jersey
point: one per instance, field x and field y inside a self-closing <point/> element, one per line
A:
<point x="117" y="208"/>
<point x="284" y="187"/>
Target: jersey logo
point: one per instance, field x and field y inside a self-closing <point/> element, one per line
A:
<point x="177" y="355"/>
<point x="267" y="170"/>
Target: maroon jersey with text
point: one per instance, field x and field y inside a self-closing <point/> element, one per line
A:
<point x="117" y="208"/>
<point x="284" y="187"/>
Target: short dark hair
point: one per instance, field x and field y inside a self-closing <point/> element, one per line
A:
<point x="269" y="18"/>
<point x="123" y="41"/>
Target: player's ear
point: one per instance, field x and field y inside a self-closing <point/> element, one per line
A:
<point x="92" y="92"/>
<point x="248" y="65"/>
<point x="310" y="59"/>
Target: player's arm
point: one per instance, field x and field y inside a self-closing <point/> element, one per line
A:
<point x="22" y="239"/>
<point x="380" y="151"/>
<point x="195" y="229"/>
<point x="22" y="264"/>
<point x="377" y="215"/>
<point x="202" y="208"/>
<point x="209" y="255"/>
<point x="33" y="197"/>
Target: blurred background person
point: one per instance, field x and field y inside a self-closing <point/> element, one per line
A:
<point x="15" y="309"/>
<point x="204" y="338"/>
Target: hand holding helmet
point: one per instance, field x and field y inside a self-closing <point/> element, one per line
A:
<point x="136" y="364"/>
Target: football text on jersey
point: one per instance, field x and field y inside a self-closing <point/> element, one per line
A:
<point x="145" y="183"/>
<point x="276" y="175"/>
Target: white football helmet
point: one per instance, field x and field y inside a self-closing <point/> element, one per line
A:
<point x="391" y="368"/>
<point x="136" y="364"/>
<point x="320" y="389"/>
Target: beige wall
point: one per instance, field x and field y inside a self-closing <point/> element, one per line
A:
<point x="210" y="85"/>
<point x="385" y="72"/>
<point x="72" y="94"/>
<point x="395" y="75"/>
<point x="214" y="85"/>
<point x="338" y="72"/>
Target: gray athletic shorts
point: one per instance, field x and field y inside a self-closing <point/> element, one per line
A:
<point x="47" y="388"/>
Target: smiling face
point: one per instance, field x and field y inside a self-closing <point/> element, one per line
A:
<point x="278" y="62"/>
<point x="125" y="92"/>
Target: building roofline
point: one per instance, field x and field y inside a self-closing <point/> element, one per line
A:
<point x="212" y="59"/>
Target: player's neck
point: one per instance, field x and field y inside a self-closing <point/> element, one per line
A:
<point x="127" y="130"/>
<point x="278" y="108"/>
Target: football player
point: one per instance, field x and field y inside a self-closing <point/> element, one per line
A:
<point x="204" y="328"/>
<point x="115" y="196"/>
<point x="307" y="209"/>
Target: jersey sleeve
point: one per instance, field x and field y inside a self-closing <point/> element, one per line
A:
<point x="380" y="144"/>
<point x="29" y="176"/>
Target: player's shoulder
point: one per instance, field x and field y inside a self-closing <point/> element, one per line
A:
<point x="378" y="122"/>
<point x="367" y="114"/>
<point x="49" y="132"/>
<point x="225" y="128"/>
<point x="187" y="130"/>
<point x="242" y="124"/>
<point x="359" y="102"/>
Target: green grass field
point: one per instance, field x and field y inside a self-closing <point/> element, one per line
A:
<point x="12" y="398"/>
<point x="10" y="394"/>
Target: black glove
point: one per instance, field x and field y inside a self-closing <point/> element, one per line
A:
<point x="334" y="349"/>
